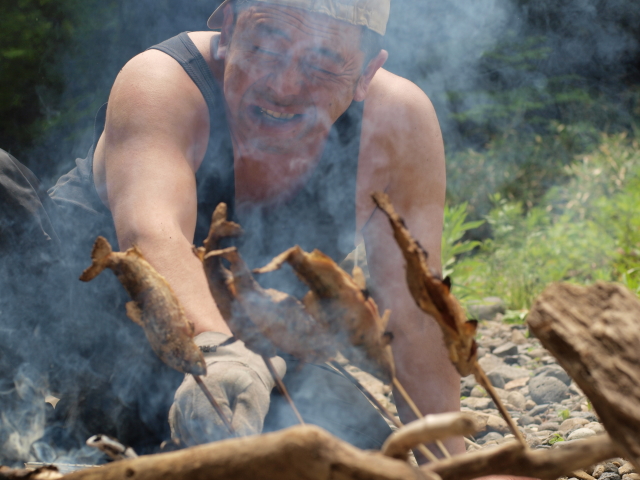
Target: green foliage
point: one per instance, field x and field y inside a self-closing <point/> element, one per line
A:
<point x="555" y="438"/>
<point x="564" y="414"/>
<point x="455" y="227"/>
<point x="515" y="317"/>
<point x="584" y="231"/>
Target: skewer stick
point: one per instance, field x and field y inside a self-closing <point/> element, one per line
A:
<point x="484" y="381"/>
<point x="214" y="404"/>
<point x="416" y="411"/>
<point x="282" y="388"/>
<point x="390" y="416"/>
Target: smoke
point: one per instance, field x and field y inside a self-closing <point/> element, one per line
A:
<point x="440" y="46"/>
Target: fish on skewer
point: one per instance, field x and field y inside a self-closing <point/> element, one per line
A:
<point x="433" y="296"/>
<point x="154" y="306"/>
<point x="342" y="306"/>
<point x="279" y="316"/>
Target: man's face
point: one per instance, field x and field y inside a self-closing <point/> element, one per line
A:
<point x="289" y="75"/>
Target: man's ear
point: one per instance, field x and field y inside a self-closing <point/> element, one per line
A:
<point x="226" y="32"/>
<point x="375" y="64"/>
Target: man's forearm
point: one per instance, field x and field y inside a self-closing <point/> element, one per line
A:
<point x="423" y="367"/>
<point x="171" y="255"/>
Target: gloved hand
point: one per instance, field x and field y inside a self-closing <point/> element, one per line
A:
<point x="239" y="381"/>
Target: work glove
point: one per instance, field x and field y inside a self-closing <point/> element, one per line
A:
<point x="239" y="381"/>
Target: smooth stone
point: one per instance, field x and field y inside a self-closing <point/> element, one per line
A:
<point x="477" y="403"/>
<point x="596" y="427"/>
<point x="489" y="437"/>
<point x="524" y="360"/>
<point x="482" y="352"/>
<point x="571" y="423"/>
<point x="538" y="353"/>
<point x="527" y="420"/>
<point x="517" y="383"/>
<point x="496" y="379"/>
<point x="609" y="476"/>
<point x="466" y="385"/>
<point x="518" y="338"/>
<point x="627" y="468"/>
<point x="544" y="389"/>
<point x="506" y="349"/>
<point x="538" y="410"/>
<point x="551" y="426"/>
<point x="508" y="373"/>
<point x="631" y="476"/>
<point x="553" y="371"/>
<point x="611" y="467"/>
<point x="478" y="392"/>
<point x="512" y="360"/>
<point x="530" y="403"/>
<point x="590" y="416"/>
<point x="597" y="471"/>
<point x="516" y="399"/>
<point x="581" y="433"/>
<point x="497" y="424"/>
<point x="490" y="362"/>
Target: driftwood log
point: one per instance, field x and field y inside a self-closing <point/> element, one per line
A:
<point x="297" y="453"/>
<point x="594" y="332"/>
<point x="310" y="453"/>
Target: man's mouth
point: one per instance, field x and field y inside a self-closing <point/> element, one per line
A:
<point x="279" y="116"/>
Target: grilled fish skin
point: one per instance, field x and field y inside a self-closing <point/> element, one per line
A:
<point x="337" y="302"/>
<point x="154" y="306"/>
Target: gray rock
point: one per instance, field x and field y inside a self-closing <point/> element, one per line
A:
<point x="590" y="416"/>
<point x="516" y="399"/>
<point x="477" y="403"/>
<point x="489" y="437"/>
<point x="611" y="467"/>
<point x="544" y="389"/>
<point x="466" y="385"/>
<point x="524" y="359"/>
<point x="551" y="426"/>
<point x="487" y="308"/>
<point x="596" y="427"/>
<point x="478" y="392"/>
<point x="553" y="371"/>
<point x="581" y="433"/>
<point x="496" y="379"/>
<point x="508" y="348"/>
<point x="518" y="338"/>
<point x="609" y="476"/>
<point x="597" y="471"/>
<point x="538" y="410"/>
<point x="490" y="362"/>
<point x="508" y="373"/>
<point x="525" y="420"/>
<point x="631" y="476"/>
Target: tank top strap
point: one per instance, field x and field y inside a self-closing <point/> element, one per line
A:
<point x="182" y="49"/>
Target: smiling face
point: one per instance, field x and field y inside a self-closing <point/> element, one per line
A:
<point x="288" y="76"/>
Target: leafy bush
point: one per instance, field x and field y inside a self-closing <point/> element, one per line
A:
<point x="584" y="231"/>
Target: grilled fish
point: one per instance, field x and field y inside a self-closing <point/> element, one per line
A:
<point x="154" y="307"/>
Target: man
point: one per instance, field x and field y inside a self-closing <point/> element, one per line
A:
<point x="293" y="92"/>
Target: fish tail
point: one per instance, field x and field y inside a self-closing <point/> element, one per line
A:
<point x="99" y="255"/>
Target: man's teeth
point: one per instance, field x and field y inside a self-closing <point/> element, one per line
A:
<point x="279" y="116"/>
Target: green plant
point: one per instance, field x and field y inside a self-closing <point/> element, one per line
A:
<point x="564" y="414"/>
<point x="555" y="438"/>
<point x="455" y="226"/>
<point x="515" y="317"/>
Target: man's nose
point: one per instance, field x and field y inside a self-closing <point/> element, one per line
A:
<point x="287" y="80"/>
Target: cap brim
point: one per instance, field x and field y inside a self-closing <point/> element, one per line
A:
<point x="215" y="20"/>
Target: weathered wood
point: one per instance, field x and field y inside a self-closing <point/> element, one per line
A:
<point x="297" y="453"/>
<point x="594" y="332"/>
<point x="512" y="459"/>
<point x="428" y="430"/>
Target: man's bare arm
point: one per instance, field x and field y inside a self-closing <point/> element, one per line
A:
<point x="406" y="128"/>
<point x="154" y="140"/>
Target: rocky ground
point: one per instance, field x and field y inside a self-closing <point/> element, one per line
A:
<point x="546" y="404"/>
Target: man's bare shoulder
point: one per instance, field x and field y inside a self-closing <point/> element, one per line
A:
<point x="395" y="104"/>
<point x="154" y="96"/>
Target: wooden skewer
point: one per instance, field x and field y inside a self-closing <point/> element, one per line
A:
<point x="214" y="404"/>
<point x="484" y="381"/>
<point x="416" y="412"/>
<point x="390" y="416"/>
<point x="282" y="388"/>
